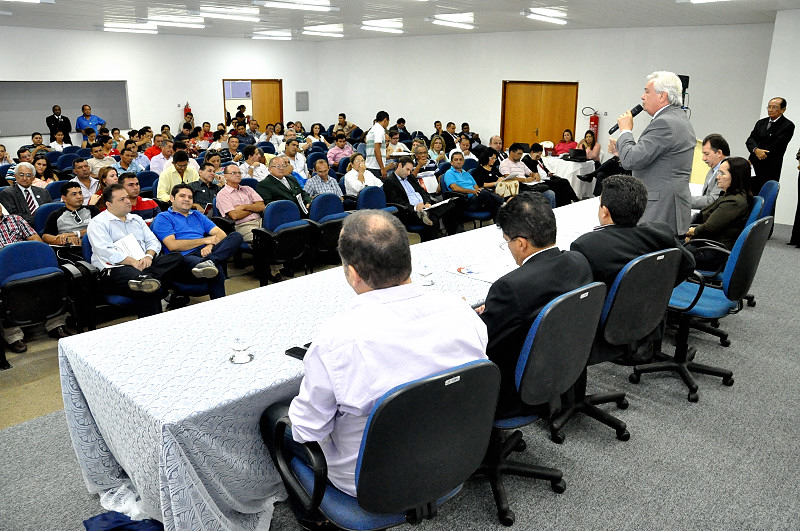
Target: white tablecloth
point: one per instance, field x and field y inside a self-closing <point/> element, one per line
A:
<point x="570" y="170"/>
<point x="157" y="401"/>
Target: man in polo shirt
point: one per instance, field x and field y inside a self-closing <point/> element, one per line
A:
<point x="127" y="163"/>
<point x="321" y="182"/>
<point x="342" y="125"/>
<point x="341" y="150"/>
<point x="376" y="142"/>
<point x="158" y="162"/>
<point x="83" y="176"/>
<point x="68" y="225"/>
<point x="457" y="180"/>
<point x="88" y="120"/>
<point x="204" y="246"/>
<point x="204" y="190"/>
<point x="155" y="149"/>
<point x="179" y="172"/>
<point x="145" y="208"/>
<point x="37" y="145"/>
<point x="99" y="160"/>
<point x="241" y="204"/>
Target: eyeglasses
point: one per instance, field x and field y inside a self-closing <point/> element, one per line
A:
<point x="505" y="243"/>
<point x="279" y="166"/>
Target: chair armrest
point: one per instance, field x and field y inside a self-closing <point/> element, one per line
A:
<point x="316" y="460"/>
<point x="700" y="280"/>
<point x="711" y="245"/>
<point x="223" y="223"/>
<point x="399" y="207"/>
<point x="350" y="197"/>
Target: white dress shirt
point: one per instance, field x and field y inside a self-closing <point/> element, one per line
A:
<point x="382" y="339"/>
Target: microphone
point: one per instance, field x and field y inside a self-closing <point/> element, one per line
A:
<point x="636" y="110"/>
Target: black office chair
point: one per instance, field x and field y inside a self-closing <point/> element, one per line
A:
<point x="551" y="360"/>
<point x="33" y="288"/>
<point x="692" y="300"/>
<point x="634" y="307"/>
<point x="422" y="440"/>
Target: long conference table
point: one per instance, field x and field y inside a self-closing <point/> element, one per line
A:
<point x="157" y="404"/>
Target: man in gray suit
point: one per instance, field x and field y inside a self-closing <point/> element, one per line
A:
<point x="715" y="150"/>
<point x="662" y="158"/>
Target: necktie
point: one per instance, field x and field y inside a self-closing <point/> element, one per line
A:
<point x="29" y="199"/>
<point x="769" y="124"/>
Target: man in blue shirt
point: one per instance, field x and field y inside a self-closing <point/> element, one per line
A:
<point x="87" y="119"/>
<point x="457" y="180"/>
<point x="204" y="246"/>
<point x="127" y="162"/>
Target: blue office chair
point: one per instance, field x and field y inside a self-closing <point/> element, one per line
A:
<point x="4" y="170"/>
<point x="269" y="148"/>
<point x="633" y="309"/>
<point x="313" y="158"/>
<point x="33" y="288"/>
<point x="115" y="157"/>
<point x="402" y="475"/>
<point x="54" y="189"/>
<point x="283" y="238"/>
<point x="250" y="181"/>
<point x="769" y="192"/>
<point x="65" y="161"/>
<point x="147" y="180"/>
<point x="327" y="211"/>
<point x="85" y="153"/>
<point x="72" y="149"/>
<point x="342" y="167"/>
<point x="691" y="300"/>
<point x="442" y="169"/>
<point x="53" y="156"/>
<point x="321" y="145"/>
<point x="372" y="197"/>
<point x="470" y="164"/>
<point x="41" y="215"/>
<point x="551" y="360"/>
<point x="355" y="134"/>
<point x="475" y="216"/>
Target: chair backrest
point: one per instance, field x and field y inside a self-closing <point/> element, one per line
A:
<point x="269" y="147"/>
<point x="54" y="189"/>
<point x="41" y="215"/>
<point x="34" y="288"/>
<point x="362" y="148"/>
<point x="446" y="421"/>
<point x="442" y="169"/>
<point x="84" y="152"/>
<point x="65" y="161"/>
<point x="86" y="248"/>
<point x="739" y="272"/>
<point x="25" y="256"/>
<point x="356" y="133"/>
<point x="558" y="344"/>
<point x="755" y="209"/>
<point x="321" y="145"/>
<point x="72" y="149"/>
<point x="155" y="185"/>
<point x="4" y="170"/>
<point x="470" y="164"/>
<point x="313" y="158"/>
<point x="371" y="197"/>
<point x="343" y="165"/>
<point x="249" y="181"/>
<point x="325" y="205"/>
<point x="638" y="298"/>
<point x="53" y="156"/>
<point x="770" y="194"/>
<point x="280" y="212"/>
<point x="147" y="178"/>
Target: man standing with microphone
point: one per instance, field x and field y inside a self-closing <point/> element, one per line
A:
<point x="662" y="157"/>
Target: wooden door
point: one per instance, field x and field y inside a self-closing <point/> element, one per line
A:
<point x="267" y="97"/>
<point x="537" y="111"/>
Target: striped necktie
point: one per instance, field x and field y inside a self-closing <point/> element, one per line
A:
<point x="29" y="198"/>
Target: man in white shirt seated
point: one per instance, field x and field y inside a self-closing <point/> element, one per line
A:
<point x="395" y="146"/>
<point x="83" y="176"/>
<point x="393" y="332"/>
<point x="252" y="167"/>
<point x="99" y="160"/>
<point x="464" y="148"/>
<point x="158" y="163"/>
<point x="297" y="159"/>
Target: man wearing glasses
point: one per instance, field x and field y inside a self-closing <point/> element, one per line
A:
<point x="23" y="199"/>
<point x="515" y="299"/>
<point x="66" y="226"/>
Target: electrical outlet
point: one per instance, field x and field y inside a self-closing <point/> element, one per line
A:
<point x="605" y="114"/>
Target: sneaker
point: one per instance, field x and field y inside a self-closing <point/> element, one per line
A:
<point x="205" y="269"/>
<point x="144" y="284"/>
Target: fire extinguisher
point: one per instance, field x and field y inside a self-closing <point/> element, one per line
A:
<point x="594" y="123"/>
<point x="186" y="109"/>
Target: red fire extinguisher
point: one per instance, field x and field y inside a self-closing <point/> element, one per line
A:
<point x="594" y="123"/>
<point x="186" y="109"/>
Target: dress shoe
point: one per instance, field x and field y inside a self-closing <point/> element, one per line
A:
<point x="425" y="218"/>
<point x="59" y="332"/>
<point x="18" y="346"/>
<point x="643" y="355"/>
<point x="277" y="277"/>
<point x="144" y="284"/>
<point x="177" y="301"/>
<point x="586" y="178"/>
<point x="205" y="269"/>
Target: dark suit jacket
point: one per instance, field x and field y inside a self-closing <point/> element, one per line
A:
<point x="609" y="248"/>
<point x="15" y="203"/>
<point x="512" y="305"/>
<point x="273" y="190"/>
<point x="775" y="141"/>
<point x="54" y="125"/>
<point x="395" y="193"/>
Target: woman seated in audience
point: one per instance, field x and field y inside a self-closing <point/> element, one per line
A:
<point x="220" y="138"/>
<point x="5" y="158"/>
<point x="213" y="158"/>
<point x="44" y="172"/>
<point x="58" y="144"/>
<point x="165" y="132"/>
<point x="108" y="146"/>
<point x="418" y="142"/>
<point x="437" y="152"/>
<point x="91" y="136"/>
<point x="118" y="141"/>
<point x="589" y="143"/>
<point x="107" y="176"/>
<point x="357" y="177"/>
<point x="316" y="134"/>
<point x="193" y="146"/>
<point x="487" y="173"/>
<point x="724" y="219"/>
<point x="277" y="136"/>
<point x="566" y="143"/>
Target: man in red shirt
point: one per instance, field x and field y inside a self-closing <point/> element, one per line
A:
<point x="155" y="149"/>
<point x="146" y="208"/>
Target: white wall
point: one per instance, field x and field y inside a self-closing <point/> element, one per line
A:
<point x="782" y="80"/>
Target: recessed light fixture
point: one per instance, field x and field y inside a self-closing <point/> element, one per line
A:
<point x="130" y="30"/>
<point x="542" y="18"/>
<point x="386" y="25"/>
<point x="177" y="21"/>
<point x="273" y="35"/>
<point x="548" y="12"/>
<point x="455" y="20"/>
<point x="700" y="1"/>
<point x="325" y="30"/>
<point x="322" y="33"/>
<point x="302" y="5"/>
<point x="5" y="13"/>
<point x="243" y="14"/>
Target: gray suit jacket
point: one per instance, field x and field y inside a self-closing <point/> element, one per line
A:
<point x="710" y="191"/>
<point x="662" y="158"/>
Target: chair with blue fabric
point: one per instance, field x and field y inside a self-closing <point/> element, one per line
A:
<point x="53" y="156"/>
<point x="402" y="475"/>
<point x="361" y="148"/>
<point x="4" y="170"/>
<point x="283" y="238"/>
<point x="551" y="360"/>
<point x="72" y="149"/>
<point x="249" y="181"/>
<point x="470" y="164"/>
<point x="696" y="300"/>
<point x="372" y="197"/>
<point x="43" y="212"/>
<point x="33" y="288"/>
<point x="633" y="309"/>
<point x="342" y="167"/>
<point x="328" y="212"/>
<point x="84" y="153"/>
<point x="64" y="162"/>
<point x="474" y="216"/>
<point x="54" y="189"/>
<point x="442" y="169"/>
<point x="147" y="180"/>
<point x="115" y="157"/>
<point x="269" y="148"/>
<point x="355" y="134"/>
<point x="313" y="158"/>
<point x="321" y="145"/>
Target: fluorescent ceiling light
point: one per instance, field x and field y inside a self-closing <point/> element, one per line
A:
<point x="381" y="28"/>
<point x="5" y="13"/>
<point x="542" y="18"/>
<point x="178" y="24"/>
<point x="223" y="16"/>
<point x="303" y="5"/>
<point x="455" y="20"/>
<point x="131" y="25"/>
<point x="32" y="1"/>
<point x="322" y="33"/>
<point x="270" y="38"/>
<point x="461" y="25"/>
<point x="547" y="12"/>
<point x="706" y="1"/>
<point x="275" y="35"/>
<point x="177" y="21"/>
<point x="244" y="14"/>
<point x="396" y="23"/>
<point x="131" y="30"/>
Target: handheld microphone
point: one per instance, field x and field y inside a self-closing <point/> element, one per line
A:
<point x="636" y="110"/>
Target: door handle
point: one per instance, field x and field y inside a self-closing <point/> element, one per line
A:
<point x="536" y="131"/>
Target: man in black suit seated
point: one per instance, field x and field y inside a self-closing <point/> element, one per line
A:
<point x="515" y="299"/>
<point x="23" y="199"/>
<point x="619" y="239"/>
<point x="278" y="186"/>
<point x="404" y="191"/>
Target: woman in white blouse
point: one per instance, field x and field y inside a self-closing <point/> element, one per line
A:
<point x="58" y="144"/>
<point x="357" y="177"/>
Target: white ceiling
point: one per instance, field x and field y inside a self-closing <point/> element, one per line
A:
<point x="490" y="15"/>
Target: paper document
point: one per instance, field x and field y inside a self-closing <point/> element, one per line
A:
<point x="430" y="183"/>
<point x="300" y="203"/>
<point x="129" y="246"/>
<point x="440" y="203"/>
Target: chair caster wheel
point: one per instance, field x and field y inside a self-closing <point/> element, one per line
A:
<point x="521" y="446"/>
<point x="557" y="437"/>
<point x="634" y="378"/>
<point x="623" y="404"/>
<point x="728" y="381"/>
<point x="725" y="342"/>
<point x="623" y="435"/>
<point x="506" y="517"/>
<point x="751" y="303"/>
<point x="558" y="486"/>
<point x="693" y="396"/>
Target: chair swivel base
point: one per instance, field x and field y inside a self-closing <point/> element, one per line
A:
<point x="495" y="465"/>
<point x="588" y="406"/>
<point x="712" y="328"/>
<point x="684" y="369"/>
